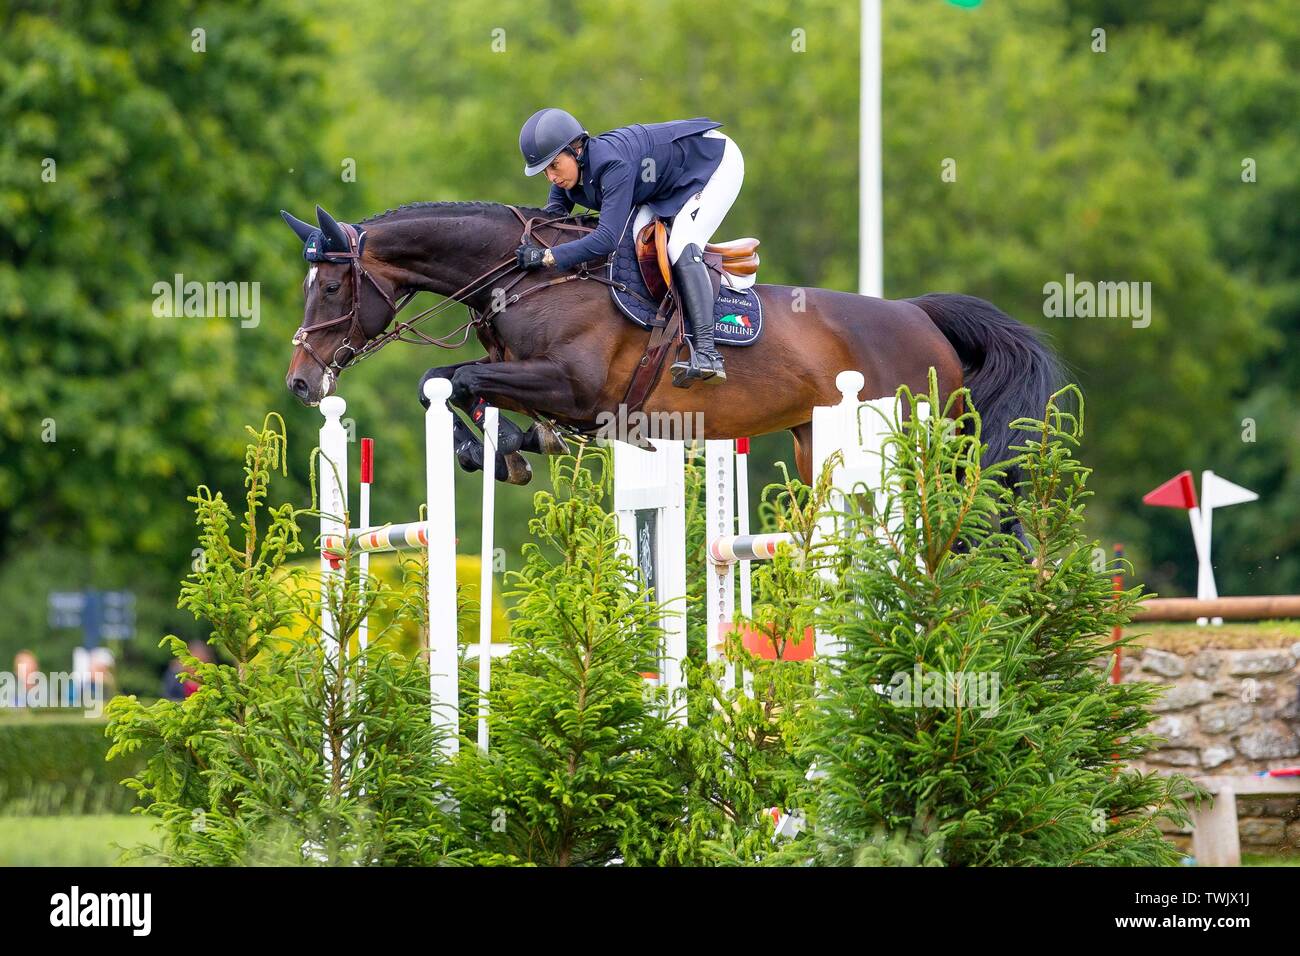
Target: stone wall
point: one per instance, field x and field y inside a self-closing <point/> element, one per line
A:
<point x="1230" y="710"/>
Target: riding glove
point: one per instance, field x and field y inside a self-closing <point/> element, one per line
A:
<point x="530" y="256"/>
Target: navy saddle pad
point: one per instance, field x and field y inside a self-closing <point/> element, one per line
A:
<point x="737" y="315"/>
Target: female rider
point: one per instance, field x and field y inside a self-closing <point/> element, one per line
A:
<point x="684" y="169"/>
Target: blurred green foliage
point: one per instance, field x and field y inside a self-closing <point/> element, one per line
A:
<point x="165" y="161"/>
<point x="1122" y="165"/>
<point x="54" y="763"/>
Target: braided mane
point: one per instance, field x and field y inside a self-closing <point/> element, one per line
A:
<point x="415" y="210"/>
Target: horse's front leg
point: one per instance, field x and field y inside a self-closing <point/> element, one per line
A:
<point x="510" y="465"/>
<point x="540" y="384"/>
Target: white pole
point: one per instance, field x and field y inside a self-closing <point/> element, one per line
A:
<point x="871" y="268"/>
<point x="1207" y="515"/>
<point x="490" y="420"/>
<point x="671" y="562"/>
<point x="440" y="497"/>
<point x="333" y="522"/>
<point x="1205" y="587"/>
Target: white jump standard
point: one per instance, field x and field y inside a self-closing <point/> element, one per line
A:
<point x="650" y="505"/>
<point x="649" y="501"/>
<point x="436" y="534"/>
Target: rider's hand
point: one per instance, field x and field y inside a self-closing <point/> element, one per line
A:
<point x="531" y="256"/>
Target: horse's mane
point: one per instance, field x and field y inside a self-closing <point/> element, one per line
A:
<point x="420" y="210"/>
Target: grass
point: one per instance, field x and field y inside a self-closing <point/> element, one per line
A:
<point x="88" y="841"/>
<point x="70" y="840"/>
<point x="1265" y="859"/>
<point x="1187" y="636"/>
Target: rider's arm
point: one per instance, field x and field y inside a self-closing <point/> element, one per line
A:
<point x="616" y="205"/>
<point x="558" y="201"/>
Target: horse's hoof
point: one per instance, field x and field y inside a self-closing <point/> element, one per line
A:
<point x="549" y="441"/>
<point x="518" y="471"/>
<point x="510" y="437"/>
<point x="469" y="455"/>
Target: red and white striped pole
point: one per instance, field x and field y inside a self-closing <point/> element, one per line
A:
<point x="367" y="477"/>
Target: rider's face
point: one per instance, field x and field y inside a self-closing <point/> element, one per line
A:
<point x="563" y="171"/>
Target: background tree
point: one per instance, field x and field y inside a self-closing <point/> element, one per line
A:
<point x="130" y="156"/>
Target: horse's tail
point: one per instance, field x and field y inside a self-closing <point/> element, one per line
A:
<point x="1009" y="369"/>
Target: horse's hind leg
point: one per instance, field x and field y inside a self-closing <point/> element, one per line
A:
<point x="803" y="451"/>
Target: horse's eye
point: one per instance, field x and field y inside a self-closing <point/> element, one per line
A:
<point x="332" y="288"/>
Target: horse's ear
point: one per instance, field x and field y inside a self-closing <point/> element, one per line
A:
<point x="300" y="228"/>
<point x="335" y="239"/>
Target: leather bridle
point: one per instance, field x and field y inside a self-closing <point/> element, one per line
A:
<point x="356" y="272"/>
<point x="482" y="321"/>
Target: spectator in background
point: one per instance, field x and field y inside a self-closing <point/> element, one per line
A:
<point x="101" y="667"/>
<point x="171" y="685"/>
<point x="25" y="667"/>
<point x="178" y="681"/>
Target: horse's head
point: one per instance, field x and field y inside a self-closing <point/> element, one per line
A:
<point x="347" y="306"/>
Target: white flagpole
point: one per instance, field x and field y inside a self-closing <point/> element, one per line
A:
<point x="1206" y="589"/>
<point x="870" y="215"/>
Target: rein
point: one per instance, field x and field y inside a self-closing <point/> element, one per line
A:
<point x="479" y="320"/>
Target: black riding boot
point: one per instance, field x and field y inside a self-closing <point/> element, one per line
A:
<point x="691" y="284"/>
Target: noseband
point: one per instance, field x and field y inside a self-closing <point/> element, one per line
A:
<point x="356" y="332"/>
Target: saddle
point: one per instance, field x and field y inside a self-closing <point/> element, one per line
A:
<point x="733" y="263"/>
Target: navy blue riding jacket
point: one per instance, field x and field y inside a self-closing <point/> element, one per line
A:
<point x="615" y="178"/>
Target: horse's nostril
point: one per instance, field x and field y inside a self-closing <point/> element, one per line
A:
<point x="299" y="387"/>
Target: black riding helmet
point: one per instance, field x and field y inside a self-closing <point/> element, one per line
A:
<point x="547" y="133"/>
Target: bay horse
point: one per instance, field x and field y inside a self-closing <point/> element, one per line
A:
<point x="562" y="353"/>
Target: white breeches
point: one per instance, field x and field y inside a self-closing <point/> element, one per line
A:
<point x="703" y="213"/>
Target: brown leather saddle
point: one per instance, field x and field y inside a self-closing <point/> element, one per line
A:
<point x="738" y="257"/>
